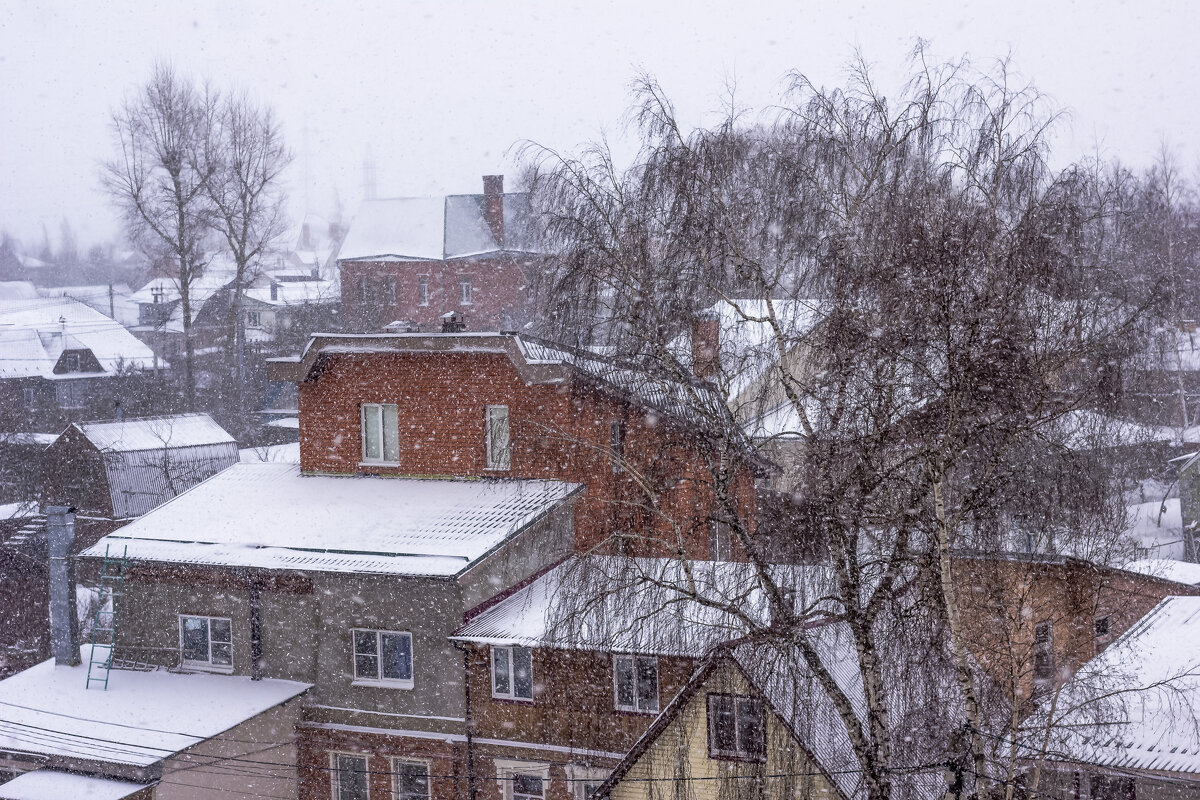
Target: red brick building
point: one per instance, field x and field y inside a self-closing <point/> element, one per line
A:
<point x="416" y="259"/>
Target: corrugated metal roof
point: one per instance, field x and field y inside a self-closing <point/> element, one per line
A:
<point x="1137" y="704"/>
<point x="271" y="515"/>
<point x="155" y="433"/>
<point x="142" y="480"/>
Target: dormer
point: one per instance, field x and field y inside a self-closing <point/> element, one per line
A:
<point x="76" y="359"/>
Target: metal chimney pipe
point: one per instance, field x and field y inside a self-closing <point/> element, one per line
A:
<point x="64" y="624"/>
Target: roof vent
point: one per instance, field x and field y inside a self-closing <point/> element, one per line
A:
<point x="453" y="322"/>
<point x="402" y="326"/>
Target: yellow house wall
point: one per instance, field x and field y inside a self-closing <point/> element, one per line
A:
<point x="677" y="766"/>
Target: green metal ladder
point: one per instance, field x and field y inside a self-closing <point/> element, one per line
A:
<point x="104" y="636"/>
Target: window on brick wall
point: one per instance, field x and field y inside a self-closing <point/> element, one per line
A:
<point x="522" y="780"/>
<point x="512" y="673"/>
<point x="389" y="291"/>
<point x="736" y="728"/>
<point x="616" y="444"/>
<point x="29" y="395"/>
<point x="423" y="290"/>
<point x="635" y="684"/>
<point x="1043" y="657"/>
<point x="362" y="289"/>
<point x="349" y="776"/>
<point x="411" y="779"/>
<point x="380" y="433"/>
<point x="466" y="295"/>
<point x="498" y="447"/>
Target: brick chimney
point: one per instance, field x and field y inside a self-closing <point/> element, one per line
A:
<point x="64" y="625"/>
<point x="706" y="344"/>
<point x="493" y="206"/>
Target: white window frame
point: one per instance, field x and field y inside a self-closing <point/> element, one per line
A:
<point x="334" y="790"/>
<point x="208" y="665"/>
<point x="511" y="694"/>
<point x="580" y="777"/>
<point x="635" y="708"/>
<point x="424" y="762"/>
<point x="502" y="461"/>
<point x="253" y="319"/>
<point x="466" y="292"/>
<point x="422" y="290"/>
<point x="29" y="397"/>
<point x="506" y="769"/>
<point x="378" y="680"/>
<point x="381" y="409"/>
<point x="73" y="362"/>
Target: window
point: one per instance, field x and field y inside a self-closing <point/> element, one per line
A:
<point x="423" y="291"/>
<point x="616" y="444"/>
<point x="411" y="779"/>
<point x="72" y="362"/>
<point x="522" y="780"/>
<point x="465" y="292"/>
<point x="1043" y="657"/>
<point x="70" y="394"/>
<point x="362" y="289"/>
<point x="30" y="397"/>
<point x="584" y="781"/>
<point x="720" y="540"/>
<point x="497" y="437"/>
<point x="635" y="684"/>
<point x="383" y="657"/>
<point x="349" y="777"/>
<point x="389" y="291"/>
<point x="1112" y="787"/>
<point x="512" y="673"/>
<point x="1103" y="626"/>
<point x="380" y="433"/>
<point x="206" y="642"/>
<point x="253" y="319"/>
<point x="528" y="787"/>
<point x="736" y="728"/>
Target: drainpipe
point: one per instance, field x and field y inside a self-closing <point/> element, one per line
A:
<point x="64" y="623"/>
<point x="471" y="793"/>
<point x="256" y="649"/>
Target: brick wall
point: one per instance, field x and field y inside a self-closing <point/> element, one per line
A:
<point x="558" y="432"/>
<point x="498" y="292"/>
<point x="446" y="761"/>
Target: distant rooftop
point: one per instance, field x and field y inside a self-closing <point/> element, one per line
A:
<point x="155" y="433"/>
<point x="271" y="516"/>
<point x="34" y="334"/>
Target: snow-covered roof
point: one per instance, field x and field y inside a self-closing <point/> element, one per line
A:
<point x="155" y="433"/>
<point x="34" y="334"/>
<point x="116" y="300"/>
<point x="295" y="293"/>
<point x="1137" y="704"/>
<point x="271" y="516"/>
<point x="613" y="603"/>
<point x="275" y="453"/>
<point x="451" y="226"/>
<point x="217" y="275"/>
<point x="17" y="290"/>
<point x="149" y="460"/>
<point x="47" y="784"/>
<point x="1156" y="527"/>
<point x="1168" y="569"/>
<point x="140" y="719"/>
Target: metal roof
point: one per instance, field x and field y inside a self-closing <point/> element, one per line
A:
<point x="155" y="433"/>
<point x="1137" y="704"/>
<point x="272" y="516"/>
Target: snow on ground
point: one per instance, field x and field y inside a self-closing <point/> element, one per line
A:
<point x="272" y="454"/>
<point x="1181" y="571"/>
<point x="45" y="784"/>
<point x="140" y="719"/>
<point x="1160" y="535"/>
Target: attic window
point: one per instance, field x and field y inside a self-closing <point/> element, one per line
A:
<point x="72" y="362"/>
<point x="1103" y="626"/>
<point x="736" y="728"/>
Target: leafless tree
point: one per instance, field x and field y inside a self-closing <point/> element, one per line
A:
<point x="159" y="180"/>
<point x="927" y="323"/>
<point x="245" y="156"/>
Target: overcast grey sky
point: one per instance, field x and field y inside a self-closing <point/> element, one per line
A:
<point x="440" y="90"/>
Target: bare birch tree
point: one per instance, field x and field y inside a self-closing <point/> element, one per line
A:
<point x="245" y="157"/>
<point x="926" y="319"/>
<point x="159" y="180"/>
